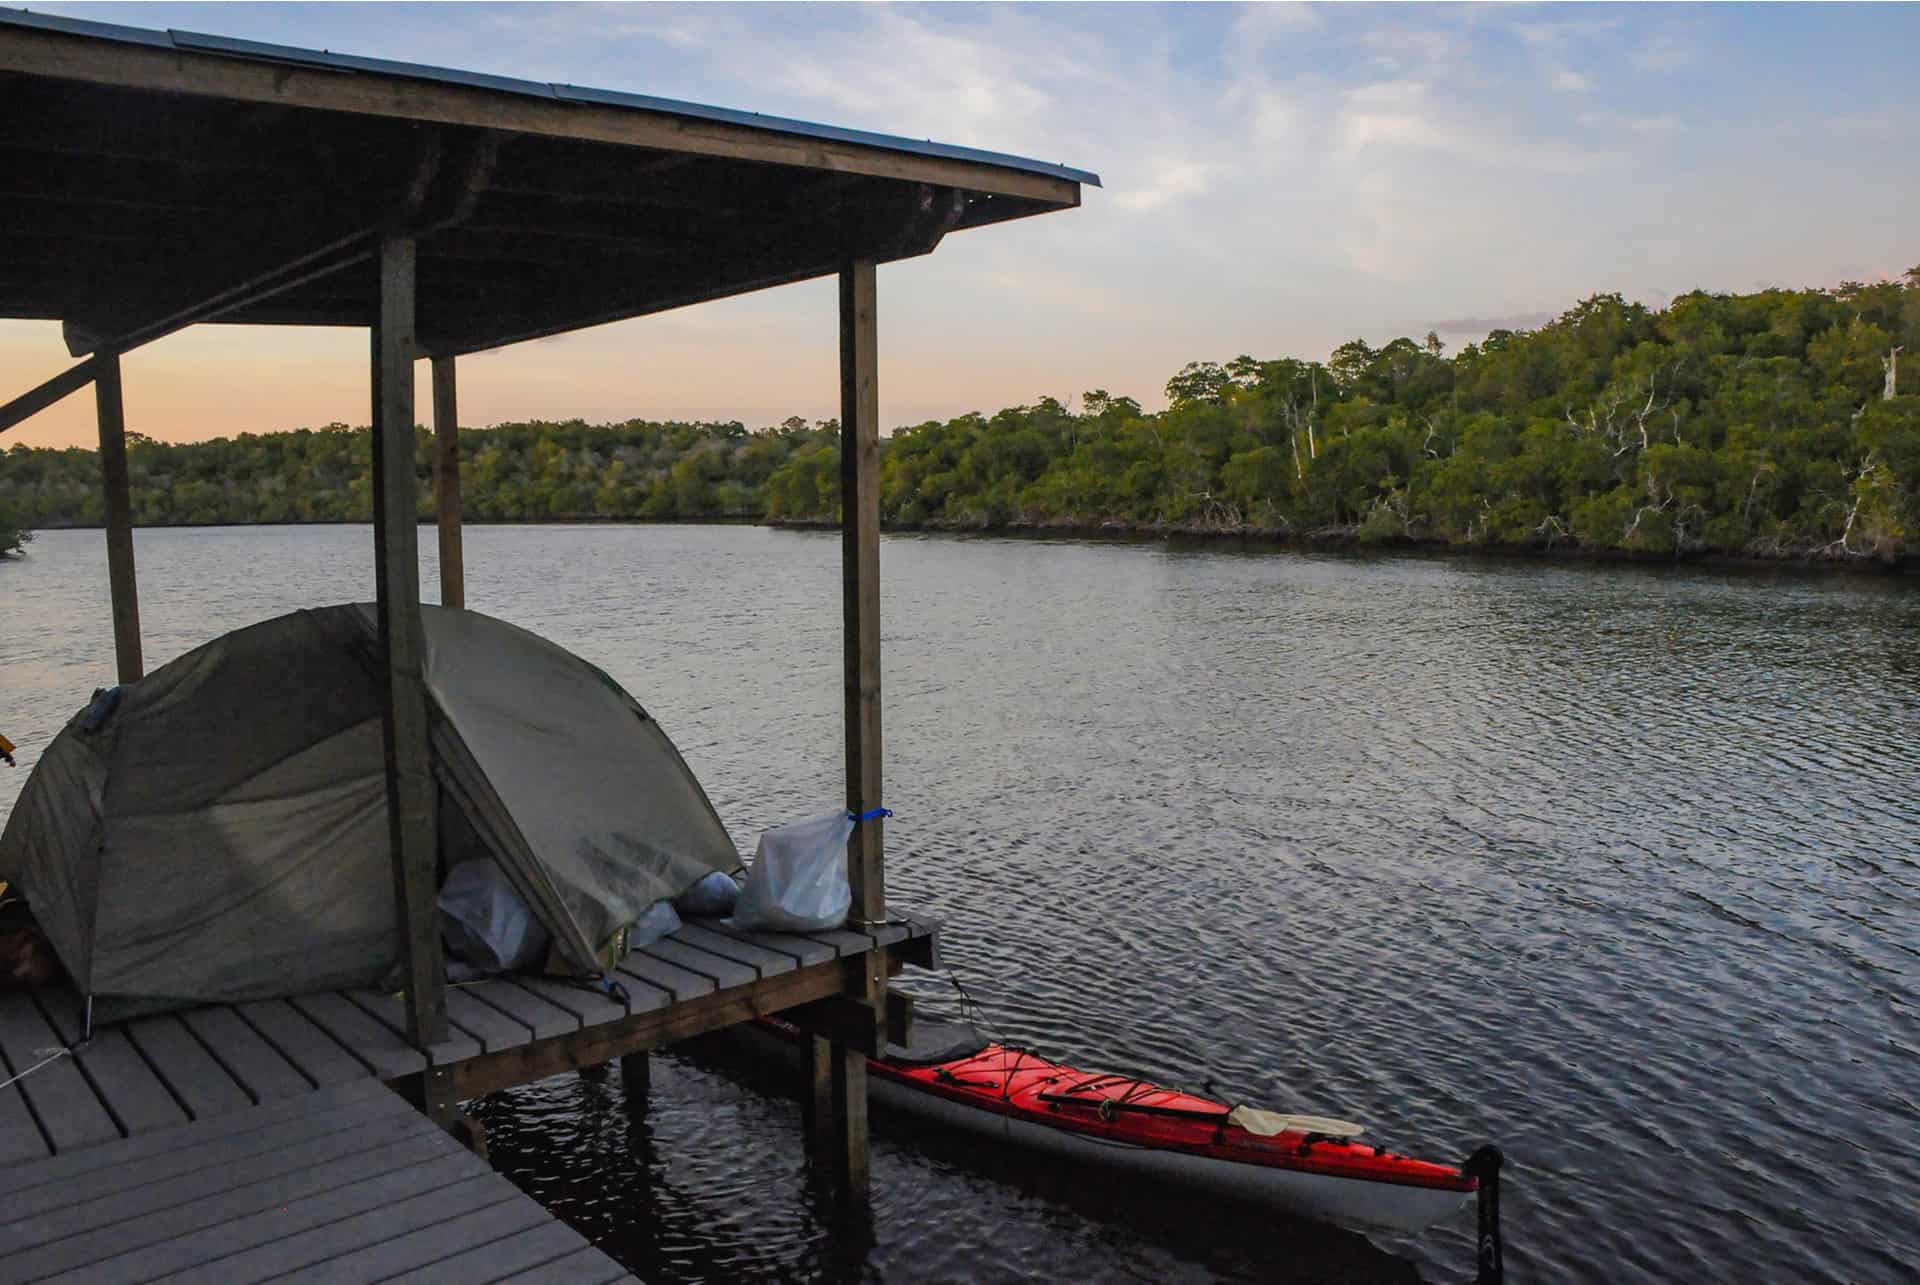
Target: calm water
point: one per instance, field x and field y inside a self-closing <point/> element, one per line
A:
<point x="1617" y="867"/>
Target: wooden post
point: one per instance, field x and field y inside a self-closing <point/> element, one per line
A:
<point x="446" y="484"/>
<point x="860" y="590"/>
<point x="852" y="1170"/>
<point x="860" y="583"/>
<point x="113" y="479"/>
<point x="816" y="1094"/>
<point x="636" y="1077"/>
<point x="410" y="789"/>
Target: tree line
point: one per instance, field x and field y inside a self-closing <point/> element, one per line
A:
<point x="1782" y="423"/>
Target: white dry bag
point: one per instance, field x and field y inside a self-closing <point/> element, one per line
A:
<point x="485" y="921"/>
<point x="798" y="882"/>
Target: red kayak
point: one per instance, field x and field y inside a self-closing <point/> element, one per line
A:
<point x="1308" y="1166"/>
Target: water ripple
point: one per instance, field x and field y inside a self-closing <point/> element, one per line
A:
<point x="1616" y="866"/>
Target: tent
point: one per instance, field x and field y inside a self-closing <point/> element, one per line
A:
<point x="217" y="831"/>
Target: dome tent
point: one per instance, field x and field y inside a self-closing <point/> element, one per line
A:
<point x="220" y="833"/>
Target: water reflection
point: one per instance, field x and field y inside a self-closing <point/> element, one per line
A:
<point x="709" y="1227"/>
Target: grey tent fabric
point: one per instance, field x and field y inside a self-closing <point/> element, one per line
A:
<point x="223" y="835"/>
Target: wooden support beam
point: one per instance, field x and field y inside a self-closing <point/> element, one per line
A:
<point x="429" y="193"/>
<point x="860" y="583"/>
<point x="590" y="1045"/>
<point x="531" y="300"/>
<point x="854" y="1023"/>
<point x="410" y="789"/>
<point x="295" y="272"/>
<point x="852" y="1147"/>
<point x="860" y="593"/>
<point x="32" y="402"/>
<point x="636" y="1078"/>
<point x="446" y="484"/>
<point x="816" y="1095"/>
<point x="113" y="479"/>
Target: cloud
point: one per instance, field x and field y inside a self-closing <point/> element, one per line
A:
<point x="1422" y="48"/>
<point x="1662" y="52"/>
<point x="1627" y="122"/>
<point x="1404" y="115"/>
<point x="1568" y="81"/>
<point x="1166" y="180"/>
<point x="930" y="80"/>
<point x="1560" y="34"/>
<point x="1258" y="27"/>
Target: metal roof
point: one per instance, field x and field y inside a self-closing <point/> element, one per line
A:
<point x="228" y="46"/>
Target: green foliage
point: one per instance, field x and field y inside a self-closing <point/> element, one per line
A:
<point x="514" y="472"/>
<point x="12" y="538"/>
<point x="1749" y="424"/>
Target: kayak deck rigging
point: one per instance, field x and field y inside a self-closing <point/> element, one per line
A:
<point x="1011" y="1081"/>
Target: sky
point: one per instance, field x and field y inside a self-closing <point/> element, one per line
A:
<point x="1278" y="179"/>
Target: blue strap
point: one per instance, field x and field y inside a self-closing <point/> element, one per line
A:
<point x="870" y="814"/>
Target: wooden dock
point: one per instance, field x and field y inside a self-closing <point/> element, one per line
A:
<point x="160" y="1072"/>
<point x="240" y="1142"/>
<point x="488" y="211"/>
<point x="345" y="1184"/>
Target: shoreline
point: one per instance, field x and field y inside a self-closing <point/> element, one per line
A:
<point x="1336" y="540"/>
<point x="1344" y="540"/>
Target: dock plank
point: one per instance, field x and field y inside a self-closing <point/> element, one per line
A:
<point x="887" y="934"/>
<point x="521" y="1252"/>
<point x="317" y="1055"/>
<point x="844" y="941"/>
<point x="643" y="996"/>
<point x="678" y="983"/>
<point x="130" y="1233"/>
<point x="922" y="925"/>
<point x="764" y="961"/>
<point x="58" y="1094"/>
<point x="278" y="1257"/>
<point x="329" y="1193"/>
<point x="523" y="1006"/>
<point x="201" y="1084"/>
<point x="726" y="974"/>
<point x="204" y="1174"/>
<point x="371" y="1042"/>
<point x="121" y="1078"/>
<point x="493" y="1029"/>
<point x="216" y="1243"/>
<point x="590" y="1006"/>
<point x="391" y="1011"/>
<point x="188" y="1152"/>
<point x="424" y="1245"/>
<point x="804" y="949"/>
<point x="72" y="1164"/>
<point x="20" y="1137"/>
<point x="259" y="1067"/>
<point x="583" y="1267"/>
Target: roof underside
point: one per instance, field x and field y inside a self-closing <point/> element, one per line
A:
<point x="149" y="180"/>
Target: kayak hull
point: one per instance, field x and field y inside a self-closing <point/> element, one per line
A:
<point x="1005" y="1097"/>
<point x="1349" y="1202"/>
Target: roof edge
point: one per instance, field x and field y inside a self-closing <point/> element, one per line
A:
<point x="254" y="50"/>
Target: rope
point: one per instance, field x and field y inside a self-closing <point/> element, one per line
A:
<point x="871" y="814"/>
<point x="51" y="1058"/>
